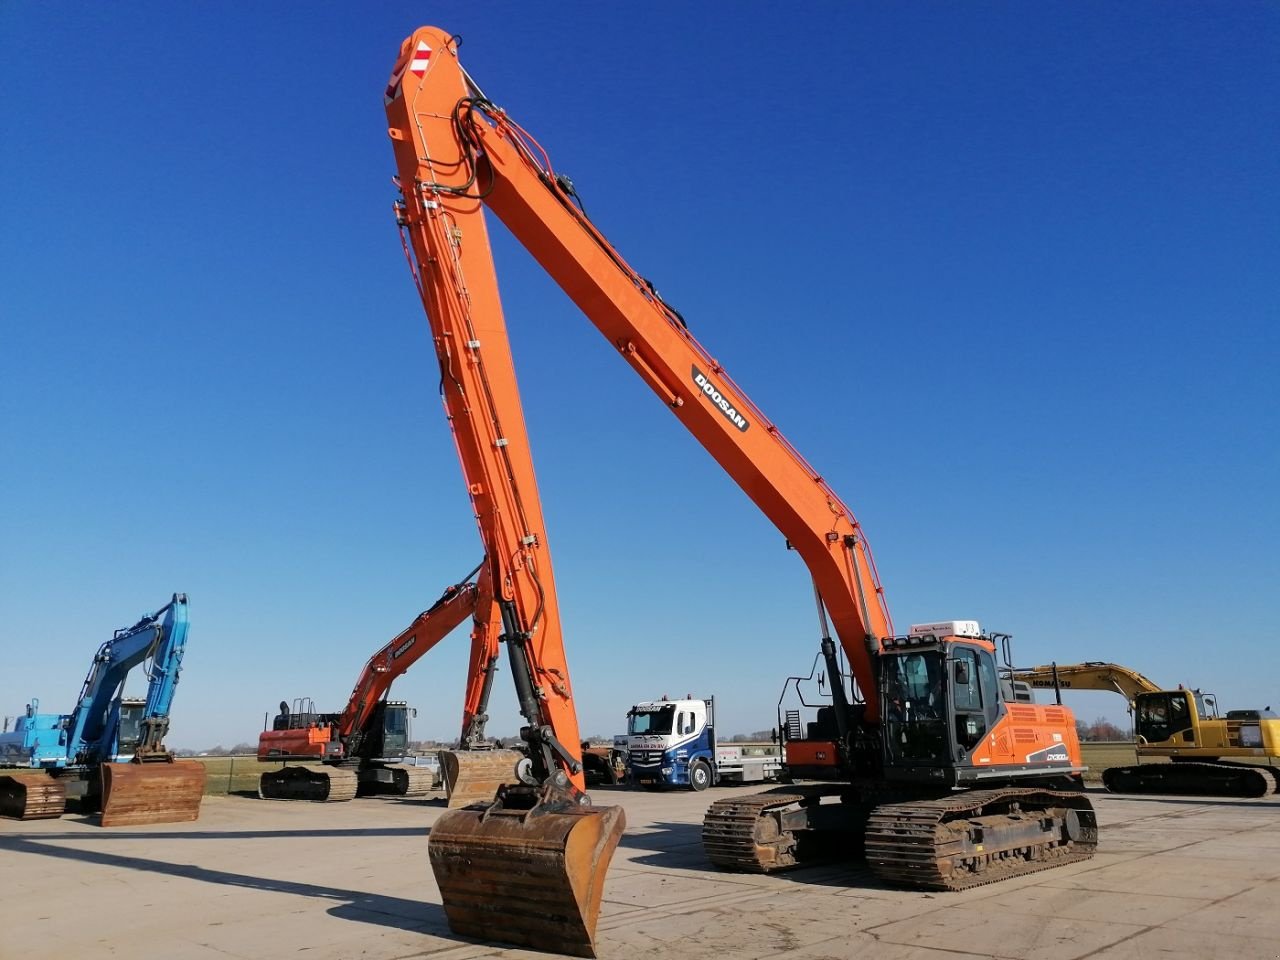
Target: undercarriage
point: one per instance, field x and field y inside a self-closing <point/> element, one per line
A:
<point x="910" y="836"/>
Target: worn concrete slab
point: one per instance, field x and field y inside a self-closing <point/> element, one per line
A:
<point x="1161" y="943"/>
<point x="251" y="880"/>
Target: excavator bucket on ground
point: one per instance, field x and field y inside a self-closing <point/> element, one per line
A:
<point x="32" y="795"/>
<point x="138" y="793"/>
<point x="530" y="878"/>
<point x="474" y="776"/>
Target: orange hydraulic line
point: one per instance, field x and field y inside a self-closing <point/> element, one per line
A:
<point x="456" y="278"/>
<point x="428" y="628"/>
<point x="502" y="170"/>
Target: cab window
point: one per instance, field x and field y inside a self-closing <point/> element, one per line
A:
<point x="1162" y="716"/>
<point x="967" y="683"/>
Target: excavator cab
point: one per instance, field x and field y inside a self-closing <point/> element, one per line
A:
<point x="949" y="719"/>
<point x="915" y="706"/>
<point x="129" y="728"/>
<point x="1165" y="716"/>
<point x="388" y="736"/>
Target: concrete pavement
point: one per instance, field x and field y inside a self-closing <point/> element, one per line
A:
<point x="1175" y="877"/>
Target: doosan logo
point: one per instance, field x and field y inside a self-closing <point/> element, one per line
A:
<point x="399" y="651"/>
<point x="718" y="398"/>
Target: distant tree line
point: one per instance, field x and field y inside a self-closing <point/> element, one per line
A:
<point x="1102" y="729"/>
<point x="758" y="736"/>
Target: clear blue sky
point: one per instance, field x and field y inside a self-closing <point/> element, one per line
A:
<point x="1006" y="274"/>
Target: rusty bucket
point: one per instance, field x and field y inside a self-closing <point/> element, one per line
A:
<point x="32" y="795"/>
<point x="472" y="776"/>
<point x="139" y="793"/>
<point x="531" y="879"/>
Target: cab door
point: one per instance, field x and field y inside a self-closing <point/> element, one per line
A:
<point x="975" y="698"/>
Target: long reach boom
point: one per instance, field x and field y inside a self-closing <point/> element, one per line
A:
<point x="924" y="721"/>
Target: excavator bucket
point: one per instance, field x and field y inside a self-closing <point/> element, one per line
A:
<point x="473" y="776"/>
<point x="32" y="795"/>
<point x="531" y="879"/>
<point x="138" y="793"/>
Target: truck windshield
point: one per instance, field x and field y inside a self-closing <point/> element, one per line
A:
<point x="651" y="720"/>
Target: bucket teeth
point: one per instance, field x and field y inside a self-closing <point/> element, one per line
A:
<point x="534" y="880"/>
<point x="474" y="776"/>
<point x="140" y="793"/>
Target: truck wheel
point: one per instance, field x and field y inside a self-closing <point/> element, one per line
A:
<point x="699" y="775"/>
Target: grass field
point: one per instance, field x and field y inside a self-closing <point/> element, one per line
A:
<point x="1098" y="756"/>
<point x="225" y="775"/>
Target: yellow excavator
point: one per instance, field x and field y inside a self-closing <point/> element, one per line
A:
<point x="1184" y="726"/>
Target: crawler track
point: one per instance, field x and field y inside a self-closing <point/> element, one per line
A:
<point x="313" y="782"/>
<point x="952" y="842"/>
<point x="411" y="781"/>
<point x="745" y="834"/>
<point x="1192" y="779"/>
<point x="979" y="836"/>
<point x="32" y="796"/>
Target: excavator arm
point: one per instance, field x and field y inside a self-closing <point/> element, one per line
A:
<point x="161" y="636"/>
<point x="1093" y="675"/>
<point x="166" y="664"/>
<point x="457" y="151"/>
<point x="447" y="244"/>
<point x="456" y="604"/>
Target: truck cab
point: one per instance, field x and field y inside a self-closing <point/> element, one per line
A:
<point x="671" y="743"/>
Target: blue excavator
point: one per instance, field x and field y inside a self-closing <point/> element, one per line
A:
<point x="106" y="754"/>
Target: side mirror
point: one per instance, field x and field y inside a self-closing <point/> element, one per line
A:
<point x="774" y="734"/>
<point x="962" y="671"/>
<point x="413" y="712"/>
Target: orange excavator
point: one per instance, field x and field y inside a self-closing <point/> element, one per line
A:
<point x="337" y="756"/>
<point x="927" y="761"/>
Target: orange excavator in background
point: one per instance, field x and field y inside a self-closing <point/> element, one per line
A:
<point x="357" y="751"/>
<point x="926" y="760"/>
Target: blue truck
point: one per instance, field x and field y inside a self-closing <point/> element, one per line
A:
<point x="672" y="743"/>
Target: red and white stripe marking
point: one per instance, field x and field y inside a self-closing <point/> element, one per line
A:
<point x="420" y="60"/>
<point x="417" y="65"/>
